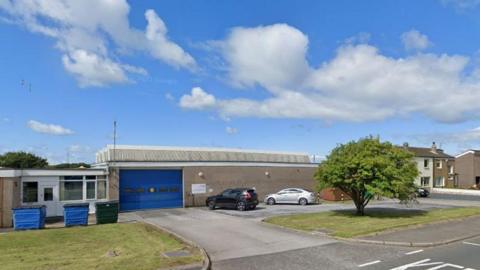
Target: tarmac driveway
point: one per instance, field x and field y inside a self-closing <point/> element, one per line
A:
<point x="227" y="237"/>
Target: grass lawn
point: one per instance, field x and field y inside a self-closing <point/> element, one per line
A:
<point x="136" y="245"/>
<point x="346" y="224"/>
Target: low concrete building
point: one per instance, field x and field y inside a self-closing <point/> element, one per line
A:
<point x="436" y="168"/>
<point x="468" y="169"/>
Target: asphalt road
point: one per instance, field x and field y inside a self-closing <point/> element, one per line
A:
<point x="460" y="255"/>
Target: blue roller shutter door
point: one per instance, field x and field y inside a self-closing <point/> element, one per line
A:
<point x="149" y="189"/>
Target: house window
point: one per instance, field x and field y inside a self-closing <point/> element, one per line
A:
<point x="425" y="181"/>
<point x="30" y="192"/>
<point x="438" y="164"/>
<point x="425" y="163"/>
<point x="439" y="181"/>
<point x="450" y="169"/>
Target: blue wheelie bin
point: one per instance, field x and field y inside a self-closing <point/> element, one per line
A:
<point x="29" y="217"/>
<point x="75" y="214"/>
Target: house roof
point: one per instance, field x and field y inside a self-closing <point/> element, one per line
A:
<point x="471" y="151"/>
<point x="126" y="153"/>
<point x="428" y="152"/>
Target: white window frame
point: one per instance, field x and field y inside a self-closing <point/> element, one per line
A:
<point x="438" y="164"/>
<point x="84" y="181"/>
<point x="426" y="163"/>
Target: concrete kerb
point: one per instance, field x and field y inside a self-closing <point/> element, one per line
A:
<point x="376" y="242"/>
<point x="206" y="263"/>
<point x="409" y="244"/>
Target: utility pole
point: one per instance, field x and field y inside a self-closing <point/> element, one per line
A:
<point x="114" y="139"/>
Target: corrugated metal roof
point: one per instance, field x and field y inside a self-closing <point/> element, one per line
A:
<point x="195" y="154"/>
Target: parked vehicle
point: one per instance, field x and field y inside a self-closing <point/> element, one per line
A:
<point x="291" y="195"/>
<point x="422" y="192"/>
<point x="234" y="198"/>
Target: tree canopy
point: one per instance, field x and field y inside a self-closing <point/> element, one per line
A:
<point x="368" y="167"/>
<point x="22" y="160"/>
<point x="71" y="165"/>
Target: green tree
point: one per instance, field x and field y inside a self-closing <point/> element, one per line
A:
<point x="368" y="167"/>
<point x="22" y="160"/>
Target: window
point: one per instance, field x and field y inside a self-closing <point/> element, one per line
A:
<point x="90" y="190"/>
<point x="71" y="190"/>
<point x="450" y="169"/>
<point x="425" y="163"/>
<point x="101" y="189"/>
<point x="47" y="194"/>
<point x="438" y="164"/>
<point x="425" y="181"/>
<point x="30" y="192"/>
<point x="439" y="181"/>
<point x="477" y="180"/>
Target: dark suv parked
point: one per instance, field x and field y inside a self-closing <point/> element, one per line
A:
<point x="235" y="198"/>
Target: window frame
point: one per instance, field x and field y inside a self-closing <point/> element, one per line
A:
<point x="23" y="191"/>
<point x="85" y="179"/>
<point x="426" y="163"/>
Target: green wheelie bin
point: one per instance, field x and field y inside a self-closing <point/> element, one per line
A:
<point x="106" y="212"/>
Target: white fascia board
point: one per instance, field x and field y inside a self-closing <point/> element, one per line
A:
<point x="59" y="172"/>
<point x="206" y="164"/>
<point x="10" y="173"/>
<point x="465" y="153"/>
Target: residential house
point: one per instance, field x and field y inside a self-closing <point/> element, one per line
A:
<point x="468" y="169"/>
<point x="436" y="168"/>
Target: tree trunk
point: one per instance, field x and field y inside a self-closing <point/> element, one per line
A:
<point x="360" y="209"/>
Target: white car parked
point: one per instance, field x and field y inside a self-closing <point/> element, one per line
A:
<point x="291" y="195"/>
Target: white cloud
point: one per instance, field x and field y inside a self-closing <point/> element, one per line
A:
<point x="462" y="4"/>
<point x="48" y="128"/>
<point x="93" y="27"/>
<point x="358" y="84"/>
<point x="414" y="40"/>
<point x="198" y="99"/>
<point x="231" y="130"/>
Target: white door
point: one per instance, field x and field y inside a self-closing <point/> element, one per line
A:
<point x="48" y="196"/>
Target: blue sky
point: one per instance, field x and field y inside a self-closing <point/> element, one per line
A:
<point x="275" y="75"/>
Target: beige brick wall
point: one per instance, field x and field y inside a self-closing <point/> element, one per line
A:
<point x="220" y="178"/>
<point x="464" y="167"/>
<point x="9" y="198"/>
<point x="113" y="183"/>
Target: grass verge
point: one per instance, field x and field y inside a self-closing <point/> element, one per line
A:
<point x="346" y="224"/>
<point x="110" y="246"/>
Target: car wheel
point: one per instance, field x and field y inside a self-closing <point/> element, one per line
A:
<point x="211" y="205"/>
<point x="302" y="201"/>
<point x="241" y="206"/>
<point x="271" y="201"/>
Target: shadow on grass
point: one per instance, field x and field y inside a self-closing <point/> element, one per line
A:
<point x="378" y="212"/>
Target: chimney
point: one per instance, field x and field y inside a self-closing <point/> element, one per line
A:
<point x="434" y="147"/>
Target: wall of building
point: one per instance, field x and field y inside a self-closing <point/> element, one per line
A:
<point x="9" y="198"/>
<point x="443" y="171"/>
<point x="113" y="183"/>
<point x="264" y="179"/>
<point x="464" y="168"/>
<point x="424" y="172"/>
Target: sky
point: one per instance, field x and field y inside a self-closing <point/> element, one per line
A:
<point x="301" y="76"/>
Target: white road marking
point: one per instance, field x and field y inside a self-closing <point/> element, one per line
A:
<point x="414" y="252"/>
<point x="369" y="263"/>
<point x="472" y="244"/>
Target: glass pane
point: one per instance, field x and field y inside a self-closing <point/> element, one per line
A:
<point x="101" y="189"/>
<point x="90" y="177"/>
<point x="72" y="177"/>
<point x="71" y="190"/>
<point x="90" y="190"/>
<point x="30" y="192"/>
<point x="47" y="194"/>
